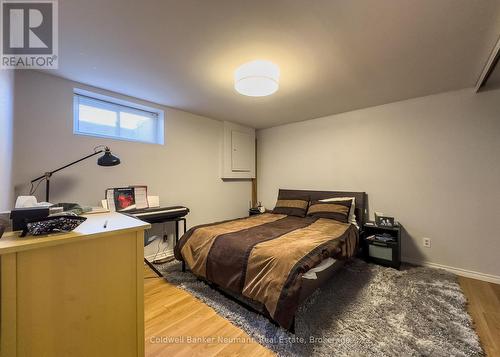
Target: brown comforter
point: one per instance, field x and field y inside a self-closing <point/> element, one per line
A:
<point x="263" y="257"/>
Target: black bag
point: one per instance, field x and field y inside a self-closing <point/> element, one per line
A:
<point x="52" y="224"/>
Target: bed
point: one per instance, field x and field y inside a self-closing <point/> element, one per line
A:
<point x="273" y="262"/>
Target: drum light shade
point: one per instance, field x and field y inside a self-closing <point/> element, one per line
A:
<point x="257" y="78"/>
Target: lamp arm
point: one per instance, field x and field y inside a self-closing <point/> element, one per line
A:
<point x="48" y="174"/>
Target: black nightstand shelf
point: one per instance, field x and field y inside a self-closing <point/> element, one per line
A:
<point x="383" y="253"/>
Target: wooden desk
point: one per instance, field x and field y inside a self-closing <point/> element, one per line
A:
<point x="74" y="294"/>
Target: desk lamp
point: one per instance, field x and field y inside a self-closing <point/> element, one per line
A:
<point x="108" y="159"/>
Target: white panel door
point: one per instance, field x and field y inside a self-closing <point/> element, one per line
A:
<point x="242" y="151"/>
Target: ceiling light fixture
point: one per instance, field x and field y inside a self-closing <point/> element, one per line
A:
<point x="257" y="78"/>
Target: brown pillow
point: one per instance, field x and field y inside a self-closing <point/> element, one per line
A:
<point x="337" y="210"/>
<point x="292" y="206"/>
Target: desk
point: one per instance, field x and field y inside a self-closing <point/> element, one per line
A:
<point x="74" y="294"/>
<point x="162" y="215"/>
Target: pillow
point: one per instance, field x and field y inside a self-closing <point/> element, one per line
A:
<point x="352" y="215"/>
<point x="337" y="210"/>
<point x="292" y="206"/>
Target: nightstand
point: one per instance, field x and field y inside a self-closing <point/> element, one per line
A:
<point x="386" y="253"/>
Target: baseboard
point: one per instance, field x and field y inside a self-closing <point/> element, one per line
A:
<point x="161" y="255"/>
<point x="458" y="271"/>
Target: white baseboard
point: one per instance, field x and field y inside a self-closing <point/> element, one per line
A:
<point x="161" y="255"/>
<point x="458" y="271"/>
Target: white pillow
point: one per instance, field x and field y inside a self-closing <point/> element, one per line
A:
<point x="352" y="215"/>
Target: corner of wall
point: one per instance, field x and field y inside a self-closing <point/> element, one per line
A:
<point x="6" y="137"/>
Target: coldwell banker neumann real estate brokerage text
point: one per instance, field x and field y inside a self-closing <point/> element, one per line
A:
<point x="29" y="34"/>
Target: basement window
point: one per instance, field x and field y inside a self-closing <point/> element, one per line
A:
<point x="106" y="117"/>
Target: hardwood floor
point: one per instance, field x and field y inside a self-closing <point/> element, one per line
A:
<point x="484" y="307"/>
<point x="171" y="312"/>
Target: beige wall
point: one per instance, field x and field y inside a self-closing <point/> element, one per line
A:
<point x="183" y="171"/>
<point x="6" y="137"/>
<point x="432" y="162"/>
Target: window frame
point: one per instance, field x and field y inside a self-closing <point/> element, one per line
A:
<point x="116" y="105"/>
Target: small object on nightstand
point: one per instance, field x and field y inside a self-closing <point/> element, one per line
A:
<point x="384" y="221"/>
<point x="257" y="210"/>
<point x="382" y="244"/>
<point x="253" y="211"/>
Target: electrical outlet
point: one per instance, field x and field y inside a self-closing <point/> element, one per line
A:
<point x="427" y="242"/>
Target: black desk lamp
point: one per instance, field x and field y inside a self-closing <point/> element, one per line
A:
<point x="108" y="159"/>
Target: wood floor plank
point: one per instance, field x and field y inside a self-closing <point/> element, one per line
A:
<point x="484" y="308"/>
<point x="172" y="312"/>
<point x="496" y="289"/>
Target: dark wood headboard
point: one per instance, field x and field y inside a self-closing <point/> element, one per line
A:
<point x="361" y="200"/>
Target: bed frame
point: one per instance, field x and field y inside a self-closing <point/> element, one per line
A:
<point x="308" y="285"/>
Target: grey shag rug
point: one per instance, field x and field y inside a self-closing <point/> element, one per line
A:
<point x="365" y="310"/>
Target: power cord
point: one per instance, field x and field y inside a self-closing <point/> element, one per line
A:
<point x="166" y="240"/>
<point x="33" y="189"/>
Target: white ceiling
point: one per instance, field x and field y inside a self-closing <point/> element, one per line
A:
<point x="335" y="56"/>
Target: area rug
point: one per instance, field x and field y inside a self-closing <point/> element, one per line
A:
<point x="365" y="310"/>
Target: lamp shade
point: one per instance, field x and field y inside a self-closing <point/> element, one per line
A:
<point x="257" y="78"/>
<point x="108" y="159"/>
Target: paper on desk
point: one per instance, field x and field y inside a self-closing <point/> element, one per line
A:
<point x="153" y="201"/>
